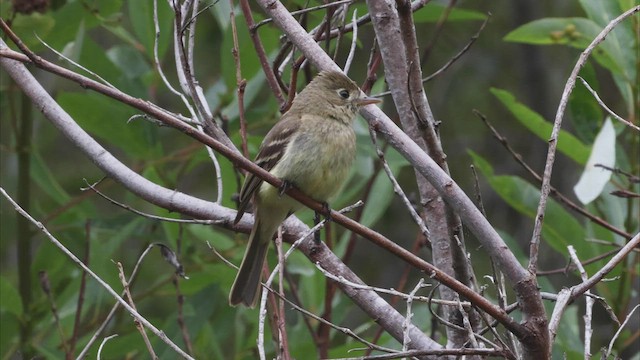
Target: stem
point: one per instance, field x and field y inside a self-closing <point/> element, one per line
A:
<point x="23" y="148"/>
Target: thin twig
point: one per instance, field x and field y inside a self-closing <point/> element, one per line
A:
<point x="103" y="343"/>
<point x="598" y="276"/>
<point x="283" y="342"/>
<point x="341" y="329"/>
<point x="615" y="336"/>
<point x="553" y="140"/>
<point x="604" y="106"/>
<point x="75" y="259"/>
<point x="138" y="212"/>
<point x="262" y="55"/>
<point x="396" y="186"/>
<point x="45" y="284"/>
<point x="453" y="59"/>
<point x="407" y="320"/>
<point x="354" y="42"/>
<point x="443" y="352"/>
<point x="62" y="56"/>
<point x="553" y="191"/>
<point x="450" y="324"/>
<point x="276" y="270"/>
<point x="139" y="326"/>
<point x="180" y="297"/>
<point x="240" y="82"/>
<point x="588" y="316"/>
<point x="307" y="10"/>
<point x="83" y="287"/>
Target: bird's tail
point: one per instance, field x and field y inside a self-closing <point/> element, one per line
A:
<point x="246" y="287"/>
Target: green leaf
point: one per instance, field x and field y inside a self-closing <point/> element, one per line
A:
<point x="221" y="11"/>
<point x="129" y="60"/>
<point x="569" y="344"/>
<point x="575" y="32"/>
<point x="619" y="42"/>
<point x="144" y="28"/>
<point x="568" y="144"/>
<point x="10" y="298"/>
<point x="583" y="110"/>
<point x="108" y="120"/>
<point x="28" y="26"/>
<point x="433" y="12"/>
<point x="46" y="180"/>
<point x="73" y="49"/>
<point x="381" y="192"/>
<point x="220" y="241"/>
<point x="94" y="58"/>
<point x="252" y="90"/>
<point x="251" y="70"/>
<point x="560" y="229"/>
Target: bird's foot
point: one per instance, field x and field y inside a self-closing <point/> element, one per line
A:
<point x="286" y="185"/>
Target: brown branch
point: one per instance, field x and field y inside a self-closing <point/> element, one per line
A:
<point x="45" y="285"/>
<point x="173" y="200"/>
<point x="81" y="291"/>
<point x="555" y="194"/>
<point x="240" y="82"/>
<point x="553" y="140"/>
<point x="262" y="55"/>
<point x="239" y="160"/>
<point x="129" y="299"/>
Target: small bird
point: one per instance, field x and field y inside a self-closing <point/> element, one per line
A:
<point x="312" y="148"/>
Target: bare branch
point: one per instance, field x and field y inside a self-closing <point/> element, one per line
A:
<point x="553" y="140"/>
<point x="604" y="106"/>
<point x="75" y="259"/>
<point x="168" y="199"/>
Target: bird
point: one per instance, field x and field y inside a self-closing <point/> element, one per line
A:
<point x="311" y="148"/>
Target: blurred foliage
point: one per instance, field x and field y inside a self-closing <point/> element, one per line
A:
<point x="115" y="39"/>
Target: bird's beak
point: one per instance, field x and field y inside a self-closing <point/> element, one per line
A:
<point x="366" y="100"/>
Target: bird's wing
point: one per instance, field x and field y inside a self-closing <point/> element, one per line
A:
<point x="271" y="150"/>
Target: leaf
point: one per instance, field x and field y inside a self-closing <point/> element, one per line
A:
<point x="129" y="60"/>
<point x="73" y="49"/>
<point x="619" y="42"/>
<point x="10" y="298"/>
<point x="575" y="32"/>
<point x="382" y="192"/>
<point x="593" y="178"/>
<point x="434" y="12"/>
<point x="28" y="26"/>
<point x="94" y="58"/>
<point x="251" y="92"/>
<point x="221" y="11"/>
<point x="569" y="344"/>
<point x="568" y="144"/>
<point x="560" y="229"/>
<point x="584" y="112"/>
<point x="107" y="120"/>
<point x="144" y="28"/>
<point x="46" y="180"/>
<point x="219" y="240"/>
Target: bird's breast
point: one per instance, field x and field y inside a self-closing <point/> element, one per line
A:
<point x="319" y="159"/>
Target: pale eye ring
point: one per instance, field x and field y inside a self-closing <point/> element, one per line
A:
<point x="343" y="93"/>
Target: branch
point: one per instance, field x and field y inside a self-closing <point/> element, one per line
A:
<point x="369" y="301"/>
<point x="169" y="199"/>
<point x="79" y="262"/>
<point x="553" y="141"/>
<point x="447" y="188"/>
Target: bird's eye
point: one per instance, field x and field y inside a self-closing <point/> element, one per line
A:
<point x="343" y="93"/>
